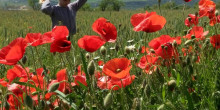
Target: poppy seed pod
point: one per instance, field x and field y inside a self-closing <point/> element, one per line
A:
<point x="108" y="100"/>
<point x="171" y="85"/>
<point x="162" y="46"/>
<point x="91" y="68"/>
<point x="193" y="37"/>
<point x="152" y="51"/>
<point x="24" y="59"/>
<point x="87" y="55"/>
<point x="103" y="50"/>
<point x="189" y="18"/>
<point x="28" y="101"/>
<point x="54" y="87"/>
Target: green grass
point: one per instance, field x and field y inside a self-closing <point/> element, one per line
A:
<point x="147" y="92"/>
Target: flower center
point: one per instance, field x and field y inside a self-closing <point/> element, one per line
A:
<point x="118" y="70"/>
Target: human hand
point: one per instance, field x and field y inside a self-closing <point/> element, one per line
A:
<point x="41" y="1"/>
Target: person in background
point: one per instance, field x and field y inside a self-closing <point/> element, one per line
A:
<point x="64" y="12"/>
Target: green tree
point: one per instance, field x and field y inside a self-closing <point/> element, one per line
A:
<point x="86" y="7"/>
<point x="113" y="4"/>
<point x="34" y="4"/>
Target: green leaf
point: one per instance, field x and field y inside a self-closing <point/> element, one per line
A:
<point x="164" y="92"/>
<point x="63" y="97"/>
<point x="82" y="85"/>
<point x="178" y="80"/>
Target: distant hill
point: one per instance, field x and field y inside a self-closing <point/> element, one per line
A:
<point x="129" y="4"/>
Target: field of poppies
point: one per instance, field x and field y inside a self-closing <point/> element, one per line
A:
<point x="127" y="60"/>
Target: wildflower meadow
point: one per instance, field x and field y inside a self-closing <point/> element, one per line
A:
<point x="128" y="60"/>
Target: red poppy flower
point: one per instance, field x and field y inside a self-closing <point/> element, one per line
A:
<point x="16" y="72"/>
<point x="105" y="29"/>
<point x="61" y="76"/>
<point x="117" y="68"/>
<point x="187" y="0"/>
<point x="60" y="45"/>
<point x="143" y="49"/>
<point x="12" y="53"/>
<point x="60" y="32"/>
<point x="90" y="43"/>
<point x="36" y="39"/>
<point x="106" y="82"/>
<point x="148" y="22"/>
<point x="218" y="19"/>
<point x="3" y="82"/>
<point x="192" y="19"/>
<point x="148" y="63"/>
<point x="207" y="8"/>
<point x="198" y="32"/>
<point x="215" y="41"/>
<point x="80" y="77"/>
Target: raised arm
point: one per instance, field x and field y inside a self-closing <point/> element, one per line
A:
<point x="77" y="4"/>
<point x="47" y="8"/>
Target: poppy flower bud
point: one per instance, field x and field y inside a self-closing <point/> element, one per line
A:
<point x="6" y="105"/>
<point x="127" y="50"/>
<point x="108" y="100"/>
<point x="0" y="92"/>
<point x="91" y="68"/>
<point x="188" y="42"/>
<point x="103" y="50"/>
<point x="54" y="87"/>
<point x="87" y="55"/>
<point x="193" y="37"/>
<point x="171" y="85"/>
<point x="216" y="13"/>
<point x="28" y="101"/>
<point x="24" y="59"/>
